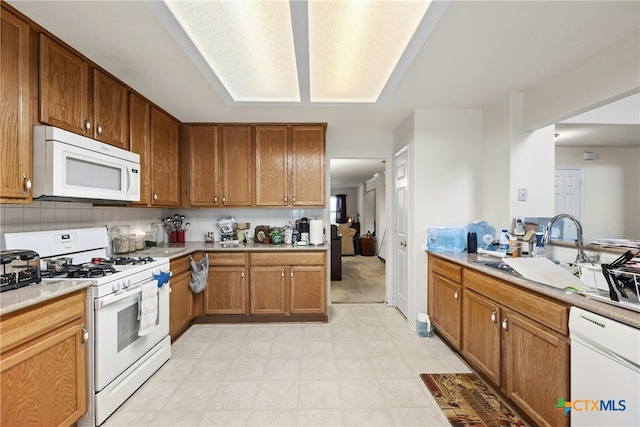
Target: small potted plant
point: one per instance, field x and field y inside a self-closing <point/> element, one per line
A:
<point x="276" y="236"/>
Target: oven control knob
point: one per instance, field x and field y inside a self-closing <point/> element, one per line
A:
<point x="116" y="286"/>
<point x="126" y="283"/>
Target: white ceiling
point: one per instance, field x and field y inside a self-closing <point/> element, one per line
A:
<point x="353" y="172"/>
<point x="479" y="52"/>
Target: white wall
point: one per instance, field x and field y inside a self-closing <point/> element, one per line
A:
<point x="443" y="171"/>
<point x="381" y="216"/>
<point x="611" y="189"/>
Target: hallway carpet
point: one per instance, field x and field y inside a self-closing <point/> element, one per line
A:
<point x="363" y="280"/>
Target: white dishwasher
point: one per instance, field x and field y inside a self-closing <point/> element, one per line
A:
<point x="605" y="371"/>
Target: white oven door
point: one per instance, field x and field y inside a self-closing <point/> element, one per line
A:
<point x="117" y="343"/>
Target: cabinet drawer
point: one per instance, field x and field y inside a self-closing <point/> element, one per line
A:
<point x="181" y="264"/>
<point x="25" y="325"/>
<point x="226" y="258"/>
<point x="445" y="268"/>
<point x="288" y="258"/>
<point x="548" y="313"/>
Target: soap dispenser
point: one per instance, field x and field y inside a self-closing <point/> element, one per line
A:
<point x="538" y="251"/>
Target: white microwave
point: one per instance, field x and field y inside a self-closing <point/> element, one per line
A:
<point x="71" y="167"/>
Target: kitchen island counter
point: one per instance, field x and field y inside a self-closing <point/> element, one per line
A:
<point x="27" y="296"/>
<point x="622" y="315"/>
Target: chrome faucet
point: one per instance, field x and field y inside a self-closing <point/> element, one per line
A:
<point x="581" y="257"/>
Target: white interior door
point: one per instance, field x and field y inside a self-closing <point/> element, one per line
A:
<point x="400" y="232"/>
<point x="568" y="199"/>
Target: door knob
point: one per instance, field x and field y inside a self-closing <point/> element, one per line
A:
<point x="403" y="243"/>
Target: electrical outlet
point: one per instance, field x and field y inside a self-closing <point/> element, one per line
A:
<point x="522" y="194"/>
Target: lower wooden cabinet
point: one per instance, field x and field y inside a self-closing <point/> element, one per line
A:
<point x="516" y="339"/>
<point x="445" y="297"/>
<point x="287" y="283"/>
<point x="43" y="363"/>
<point x="181" y="301"/>
<point x="226" y="291"/>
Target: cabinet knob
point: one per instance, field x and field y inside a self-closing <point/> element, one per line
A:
<point x="224" y="200"/>
<point x="505" y="323"/>
<point x="286" y="199"/>
<point x="87" y="124"/>
<point x="26" y="186"/>
<point x="291" y="274"/>
<point x="85" y="335"/>
<point x="293" y="199"/>
<point x="155" y="196"/>
<point x="457" y="294"/>
<point x="494" y="317"/>
<point x="242" y="275"/>
<point x="215" y="199"/>
<point x="98" y="129"/>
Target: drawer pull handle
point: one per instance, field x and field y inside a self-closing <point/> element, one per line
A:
<point x="494" y="317"/>
<point x="457" y="294"/>
<point x="505" y="324"/>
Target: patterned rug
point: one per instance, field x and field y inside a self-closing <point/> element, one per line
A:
<point x="467" y="401"/>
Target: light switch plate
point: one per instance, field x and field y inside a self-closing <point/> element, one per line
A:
<point x="522" y="194"/>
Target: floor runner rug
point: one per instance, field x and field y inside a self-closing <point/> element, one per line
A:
<point x="466" y="401"/>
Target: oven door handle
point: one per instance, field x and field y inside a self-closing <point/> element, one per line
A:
<point x="103" y="302"/>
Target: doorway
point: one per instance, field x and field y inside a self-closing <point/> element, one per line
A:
<point x="568" y="199"/>
<point x="358" y="276"/>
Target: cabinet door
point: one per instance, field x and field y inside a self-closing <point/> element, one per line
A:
<point x="268" y="290"/>
<point x="272" y="166"/>
<point x="15" y="93"/>
<point x="110" y="110"/>
<point x="140" y="142"/>
<point x="445" y="296"/>
<point x="181" y="307"/>
<point x="308" y="286"/>
<point x="481" y="333"/>
<point x="536" y="370"/>
<point x="237" y="166"/>
<point x="45" y="381"/>
<point x="307" y="166"/>
<point x="226" y="291"/>
<point x="204" y="160"/>
<point x="165" y="157"/>
<point x="64" y="88"/>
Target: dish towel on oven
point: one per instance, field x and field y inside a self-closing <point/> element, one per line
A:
<point x="148" y="308"/>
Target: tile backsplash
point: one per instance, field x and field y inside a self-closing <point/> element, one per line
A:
<point x="40" y="216"/>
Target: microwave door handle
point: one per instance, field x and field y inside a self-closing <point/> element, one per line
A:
<point x="129" y="179"/>
<point x="101" y="303"/>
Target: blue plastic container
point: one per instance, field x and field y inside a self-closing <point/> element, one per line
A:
<point x="446" y="239"/>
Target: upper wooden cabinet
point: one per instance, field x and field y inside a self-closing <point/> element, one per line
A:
<point x="165" y="158"/>
<point x="307" y="166"/>
<point x="237" y="166"/>
<point x="272" y="166"/>
<point x="75" y="97"/>
<point x="290" y="165"/>
<point x="16" y="89"/>
<point x="140" y="142"/>
<point x="201" y="163"/>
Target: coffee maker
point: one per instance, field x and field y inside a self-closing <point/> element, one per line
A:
<point x="302" y="225"/>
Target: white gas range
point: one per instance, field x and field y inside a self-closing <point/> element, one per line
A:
<point x="122" y="355"/>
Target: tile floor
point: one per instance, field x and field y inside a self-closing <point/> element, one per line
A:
<point x="359" y="369"/>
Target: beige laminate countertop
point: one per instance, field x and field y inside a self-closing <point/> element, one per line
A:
<point x="27" y="296"/>
<point x="622" y="315"/>
<point x="177" y="250"/>
<point x="33" y="294"/>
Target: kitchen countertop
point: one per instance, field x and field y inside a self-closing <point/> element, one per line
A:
<point x="177" y="250"/>
<point x="622" y="315"/>
<point x="27" y="296"/>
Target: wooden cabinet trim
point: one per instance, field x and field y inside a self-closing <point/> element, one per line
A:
<point x="445" y="268"/>
<point x="227" y="258"/>
<point x="548" y="313"/>
<point x="288" y="258"/>
<point x="25" y="325"/>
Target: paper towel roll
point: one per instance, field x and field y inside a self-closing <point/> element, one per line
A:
<point x="316" y="235"/>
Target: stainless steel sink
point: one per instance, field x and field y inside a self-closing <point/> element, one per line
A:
<point x="498" y="265"/>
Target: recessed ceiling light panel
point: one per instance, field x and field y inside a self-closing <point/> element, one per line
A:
<point x="247" y="44"/>
<point x="354" y="46"/>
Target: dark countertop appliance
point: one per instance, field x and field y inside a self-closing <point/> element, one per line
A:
<point x="20" y="267"/>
